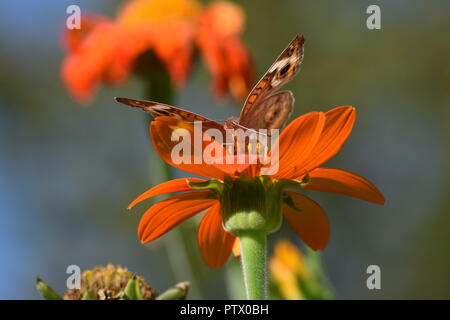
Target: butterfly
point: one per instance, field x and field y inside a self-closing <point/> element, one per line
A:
<point x="264" y="108"/>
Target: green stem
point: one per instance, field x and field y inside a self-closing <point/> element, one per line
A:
<point x="177" y="292"/>
<point x="158" y="87"/>
<point x="254" y="263"/>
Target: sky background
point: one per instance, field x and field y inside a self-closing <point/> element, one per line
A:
<point x="67" y="172"/>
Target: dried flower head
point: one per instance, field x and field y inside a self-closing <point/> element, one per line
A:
<point x="108" y="283"/>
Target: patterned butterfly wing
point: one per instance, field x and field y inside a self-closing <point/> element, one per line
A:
<point x="262" y="98"/>
<point x="157" y="109"/>
<point x="272" y="112"/>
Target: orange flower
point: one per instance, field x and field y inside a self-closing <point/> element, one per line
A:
<point x="105" y="51"/>
<point x="305" y="144"/>
<point x="296" y="275"/>
<point x="287" y="265"/>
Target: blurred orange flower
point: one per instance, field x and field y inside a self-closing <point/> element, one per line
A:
<point x="305" y="144"/>
<point x="286" y="265"/>
<point x="105" y="50"/>
<point x="295" y="275"/>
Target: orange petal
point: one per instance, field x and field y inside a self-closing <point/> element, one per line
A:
<point x="240" y="68"/>
<point x="235" y="168"/>
<point x="123" y="61"/>
<point x="296" y="143"/>
<point x="225" y="54"/>
<point x="338" y="125"/>
<point x="175" y="185"/>
<point x="223" y="18"/>
<point x="344" y="182"/>
<point x="139" y="13"/>
<point x="72" y="38"/>
<point x="214" y="242"/>
<point x="173" y="47"/>
<point x="311" y="223"/>
<point x="166" y="214"/>
<point x="161" y="131"/>
<point x="165" y="27"/>
<point x="83" y="70"/>
<point x="229" y="62"/>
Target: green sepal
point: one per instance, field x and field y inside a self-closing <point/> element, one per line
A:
<point x="215" y="185"/>
<point x="88" y="295"/>
<point x="177" y="292"/>
<point x="306" y="180"/>
<point x="46" y="291"/>
<point x="132" y="290"/>
<point x="287" y="199"/>
<point x="295" y="184"/>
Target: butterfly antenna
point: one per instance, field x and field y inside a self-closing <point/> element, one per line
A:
<point x="207" y="121"/>
<point x="244" y="127"/>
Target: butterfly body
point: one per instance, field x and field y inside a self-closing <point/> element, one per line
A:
<point x="264" y="108"/>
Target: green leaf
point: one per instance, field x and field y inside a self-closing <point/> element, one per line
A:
<point x="88" y="296"/>
<point x="46" y="291"/>
<point x="177" y="292"/>
<point x="132" y="290"/>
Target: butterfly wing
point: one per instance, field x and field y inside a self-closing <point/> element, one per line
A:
<point x="272" y="112"/>
<point x="157" y="109"/>
<point x="285" y="67"/>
